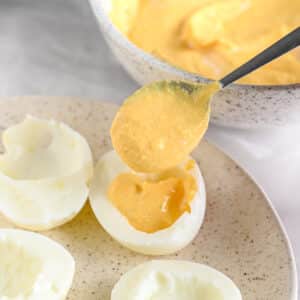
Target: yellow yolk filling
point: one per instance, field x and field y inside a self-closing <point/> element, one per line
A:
<point x="153" y="204"/>
<point x="124" y="14"/>
<point x="157" y="127"/>
<point x="212" y="37"/>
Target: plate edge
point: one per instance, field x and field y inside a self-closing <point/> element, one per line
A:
<point x="294" y="273"/>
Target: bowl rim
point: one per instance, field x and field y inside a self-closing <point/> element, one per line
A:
<point x="118" y="37"/>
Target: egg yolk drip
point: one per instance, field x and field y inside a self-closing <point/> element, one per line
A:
<point x="158" y="127"/>
<point x="213" y="37"/>
<point x="152" y="204"/>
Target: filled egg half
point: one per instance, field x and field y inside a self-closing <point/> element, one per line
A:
<point x="149" y="213"/>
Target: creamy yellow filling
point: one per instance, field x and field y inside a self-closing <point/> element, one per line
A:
<point x="152" y="204"/>
<point x="212" y="37"/>
<point x="157" y="127"/>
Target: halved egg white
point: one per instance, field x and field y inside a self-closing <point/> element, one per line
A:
<point x="175" y="280"/>
<point x="44" y="173"/>
<point x="33" y="267"/>
<point x="165" y="241"/>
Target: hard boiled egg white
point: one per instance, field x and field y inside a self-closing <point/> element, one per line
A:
<point x="174" y="280"/>
<point x="33" y="267"/>
<point x="44" y="173"/>
<point x="164" y="241"/>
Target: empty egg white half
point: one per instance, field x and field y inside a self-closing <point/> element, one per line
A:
<point x="33" y="267"/>
<point x="175" y="280"/>
<point x="44" y="173"/>
<point x="165" y="241"/>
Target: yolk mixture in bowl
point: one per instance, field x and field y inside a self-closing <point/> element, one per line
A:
<point x="213" y="37"/>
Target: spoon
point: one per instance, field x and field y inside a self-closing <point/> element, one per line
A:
<point x="287" y="43"/>
<point x="160" y="124"/>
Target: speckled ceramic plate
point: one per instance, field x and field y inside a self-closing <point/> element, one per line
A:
<point x="241" y="236"/>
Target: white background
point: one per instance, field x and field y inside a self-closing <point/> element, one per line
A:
<point x="54" y="47"/>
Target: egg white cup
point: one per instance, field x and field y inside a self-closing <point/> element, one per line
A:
<point x="162" y="242"/>
<point x="33" y="267"/>
<point x="175" y="279"/>
<point x="44" y="174"/>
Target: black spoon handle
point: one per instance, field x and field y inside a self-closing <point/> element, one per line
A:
<point x="287" y="43"/>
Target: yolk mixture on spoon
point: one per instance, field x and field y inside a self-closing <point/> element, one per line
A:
<point x="158" y="127"/>
<point x="153" y="204"/>
<point x="213" y="37"/>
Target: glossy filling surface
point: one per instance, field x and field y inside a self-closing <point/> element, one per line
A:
<point x="213" y="37"/>
<point x="152" y="204"/>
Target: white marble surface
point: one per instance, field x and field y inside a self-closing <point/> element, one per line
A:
<point x="54" y="48"/>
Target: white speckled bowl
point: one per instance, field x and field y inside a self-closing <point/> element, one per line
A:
<point x="243" y="106"/>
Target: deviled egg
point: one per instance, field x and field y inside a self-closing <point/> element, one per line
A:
<point x="148" y="213"/>
<point x="44" y="173"/>
<point x="176" y="280"/>
<point x="33" y="267"/>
